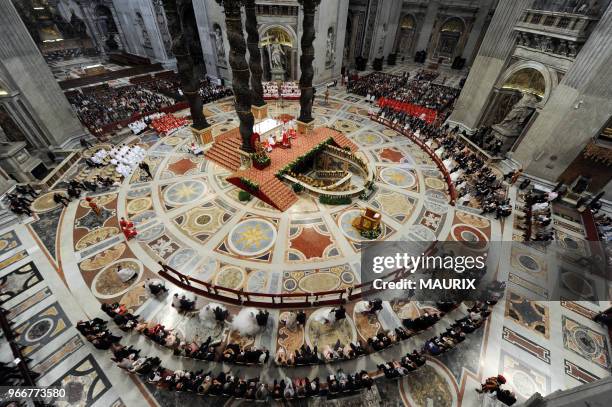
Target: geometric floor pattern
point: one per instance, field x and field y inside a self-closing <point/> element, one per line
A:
<point x="189" y="217"/>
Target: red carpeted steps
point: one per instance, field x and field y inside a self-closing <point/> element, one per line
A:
<point x="224" y="150"/>
<point x="342" y="141"/>
<point x="279" y="195"/>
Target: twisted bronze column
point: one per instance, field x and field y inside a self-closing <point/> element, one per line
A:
<point x="240" y="70"/>
<point x="254" y="53"/>
<point x="308" y="36"/>
<point x="187" y="49"/>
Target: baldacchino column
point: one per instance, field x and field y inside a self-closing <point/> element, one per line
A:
<point x="305" y="122"/>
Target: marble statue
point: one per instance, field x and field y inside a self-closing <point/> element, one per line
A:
<point x="512" y="125"/>
<point x="219" y="47"/>
<point x="520" y="111"/>
<point x="276" y="59"/>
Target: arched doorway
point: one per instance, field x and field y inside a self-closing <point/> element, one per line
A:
<point x="449" y="38"/>
<point x="404" y="43"/>
<point x="278" y="54"/>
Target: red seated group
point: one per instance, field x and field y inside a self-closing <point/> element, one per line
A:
<point x="168" y="123"/>
<point x="429" y="115"/>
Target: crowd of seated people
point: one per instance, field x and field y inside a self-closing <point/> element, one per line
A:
<point x="230" y="384"/>
<point x="270" y="90"/>
<point x="171" y="87"/>
<point x="290" y="90"/>
<point x="21" y="199"/>
<point x="62" y="54"/>
<point x="209" y="349"/>
<point x="474" y="181"/>
<point x="418" y="91"/>
<point x="101" y="108"/>
<point x="96" y="332"/>
<point x="484" y="139"/>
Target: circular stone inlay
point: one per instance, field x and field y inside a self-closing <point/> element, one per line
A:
<point x="435" y="183"/>
<point x="39" y="329"/>
<point x="369" y="139"/>
<point x="184" y="192"/>
<point x="107" y="283"/>
<point x="139" y="205"/>
<point x="577" y="284"/>
<point x="398" y="177"/>
<point x="319" y="282"/>
<point x="472" y="237"/>
<point x="529" y="262"/>
<point x="151" y="233"/>
<point x="252" y="237"/>
<point x="585" y="342"/>
<point x="230" y="277"/>
<point x="322" y="335"/>
<point x="45" y="202"/>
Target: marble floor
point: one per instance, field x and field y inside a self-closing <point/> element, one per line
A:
<point x="58" y="267"/>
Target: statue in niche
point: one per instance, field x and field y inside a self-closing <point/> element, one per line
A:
<point x="219" y="46"/>
<point x="512" y="125"/>
<point x="572" y="49"/>
<point x="520" y="111"/>
<point x="276" y="56"/>
<point x="330" y="51"/>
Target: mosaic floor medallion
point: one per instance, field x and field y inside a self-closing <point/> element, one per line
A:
<point x="107" y="283"/>
<point x="398" y="177"/>
<point x="322" y="335"/>
<point x="45" y="202"/>
<point x="184" y="192"/>
<point x="252" y="237"/>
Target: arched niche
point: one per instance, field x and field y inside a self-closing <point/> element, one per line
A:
<point x="275" y="35"/>
<point x="404" y="42"/>
<point x="529" y="77"/>
<point x="450" y="38"/>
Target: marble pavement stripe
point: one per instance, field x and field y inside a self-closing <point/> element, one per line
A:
<point x="22" y="254"/>
<point x="579" y="373"/>
<point x="577" y="308"/>
<point x="26" y="304"/>
<point x="527" y="345"/>
<point x="68" y="348"/>
<point x="513" y="278"/>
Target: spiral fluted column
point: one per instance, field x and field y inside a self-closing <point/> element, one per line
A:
<point x="254" y="53"/>
<point x="308" y="36"/>
<point x="186" y="48"/>
<point x="240" y="70"/>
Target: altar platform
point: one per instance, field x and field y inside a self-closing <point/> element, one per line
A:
<point x="270" y="189"/>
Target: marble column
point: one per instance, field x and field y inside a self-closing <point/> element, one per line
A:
<point x="23" y="70"/>
<point x="240" y="71"/>
<point x="476" y="32"/>
<point x="254" y="53"/>
<point x="578" y="108"/>
<point x="185" y="42"/>
<point x="308" y="36"/>
<point x="497" y="46"/>
<point x="427" y="26"/>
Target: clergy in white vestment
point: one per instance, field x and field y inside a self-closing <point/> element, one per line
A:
<point x="126" y="274"/>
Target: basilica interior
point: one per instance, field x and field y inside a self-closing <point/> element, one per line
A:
<point x="190" y="190"/>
